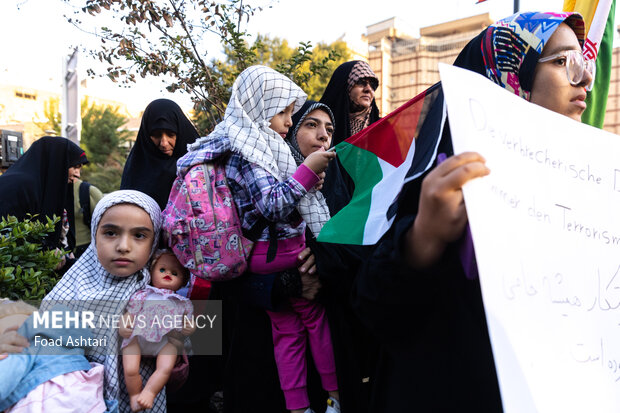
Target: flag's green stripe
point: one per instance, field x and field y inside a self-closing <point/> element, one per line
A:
<point x="347" y="227"/>
<point x="597" y="99"/>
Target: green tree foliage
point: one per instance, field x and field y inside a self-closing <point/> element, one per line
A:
<point x="26" y="270"/>
<point x="311" y="68"/>
<point x="101" y="133"/>
<point x="51" y="116"/>
<point x="105" y="143"/>
<point x="102" y="137"/>
<point x="169" y="40"/>
<point x="328" y="57"/>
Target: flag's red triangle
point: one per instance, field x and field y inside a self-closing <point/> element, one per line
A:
<point x="390" y="138"/>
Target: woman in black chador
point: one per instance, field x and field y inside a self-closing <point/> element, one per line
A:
<point x="162" y="139"/>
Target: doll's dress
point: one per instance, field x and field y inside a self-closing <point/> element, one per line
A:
<point x="157" y="311"/>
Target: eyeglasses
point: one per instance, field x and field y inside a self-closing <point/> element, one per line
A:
<point x="365" y="81"/>
<point x="576" y="66"/>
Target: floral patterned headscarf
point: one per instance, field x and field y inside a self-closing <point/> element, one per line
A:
<point x="507" y="51"/>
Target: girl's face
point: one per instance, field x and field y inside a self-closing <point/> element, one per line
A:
<point x="283" y="121"/>
<point x="124" y="239"/>
<point x="551" y="88"/>
<point x="168" y="273"/>
<point x="315" y="132"/>
<point x="165" y="140"/>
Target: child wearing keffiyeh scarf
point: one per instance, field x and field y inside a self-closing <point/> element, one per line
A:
<point x="268" y="188"/>
<point x="124" y="226"/>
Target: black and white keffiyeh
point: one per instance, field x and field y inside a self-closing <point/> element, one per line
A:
<point x="258" y="94"/>
<point x="312" y="206"/>
<point x="362" y="70"/>
<point x="87" y="286"/>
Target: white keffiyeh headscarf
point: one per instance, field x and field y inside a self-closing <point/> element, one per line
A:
<point x="89" y="287"/>
<point x="258" y="94"/>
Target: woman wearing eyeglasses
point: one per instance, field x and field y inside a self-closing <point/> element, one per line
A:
<point x="414" y="291"/>
<point x="350" y="95"/>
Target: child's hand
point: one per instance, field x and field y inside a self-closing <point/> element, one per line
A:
<point x="125" y="329"/>
<point x="188" y="328"/>
<point x="318" y="161"/>
<point x="319" y="184"/>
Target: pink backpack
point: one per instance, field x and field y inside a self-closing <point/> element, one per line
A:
<point x="202" y="226"/>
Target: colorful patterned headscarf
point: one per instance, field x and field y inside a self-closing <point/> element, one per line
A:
<point x="507" y="51"/>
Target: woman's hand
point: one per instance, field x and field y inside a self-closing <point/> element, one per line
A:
<point x="125" y="329"/>
<point x="11" y="342"/>
<point x="318" y="161"/>
<point x="177" y="339"/>
<point x="306" y="262"/>
<point x="441" y="215"/>
<point x="310" y="284"/>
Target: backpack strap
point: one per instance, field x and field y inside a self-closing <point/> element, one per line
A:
<point x="257" y="229"/>
<point x="85" y="203"/>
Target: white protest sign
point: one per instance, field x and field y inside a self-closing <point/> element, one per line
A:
<point x="546" y="229"/>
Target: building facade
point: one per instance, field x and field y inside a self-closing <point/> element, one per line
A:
<point x="22" y="110"/>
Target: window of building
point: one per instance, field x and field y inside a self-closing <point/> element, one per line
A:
<point x="25" y="95"/>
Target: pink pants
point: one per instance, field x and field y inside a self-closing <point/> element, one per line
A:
<point x="290" y="329"/>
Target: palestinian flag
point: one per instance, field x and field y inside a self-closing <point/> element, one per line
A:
<point x="380" y="160"/>
<point x="599" y="17"/>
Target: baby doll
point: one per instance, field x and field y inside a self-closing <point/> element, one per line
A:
<point x="152" y="313"/>
<point x="32" y="380"/>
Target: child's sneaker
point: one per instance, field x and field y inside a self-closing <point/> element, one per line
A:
<point x="332" y="406"/>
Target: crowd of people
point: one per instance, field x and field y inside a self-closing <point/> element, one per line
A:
<point x="309" y="326"/>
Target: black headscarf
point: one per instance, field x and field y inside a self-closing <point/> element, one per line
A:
<point x="38" y="182"/>
<point x="338" y="186"/>
<point x="336" y="96"/>
<point x="298" y="118"/>
<point x="148" y="169"/>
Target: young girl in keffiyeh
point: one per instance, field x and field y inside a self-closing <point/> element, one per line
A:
<point x="155" y="310"/>
<point x="124" y="226"/>
<point x="268" y="187"/>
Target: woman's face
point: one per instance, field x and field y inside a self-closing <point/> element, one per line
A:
<point x="315" y="132"/>
<point x="74" y="173"/>
<point x="362" y="93"/>
<point x="551" y="88"/>
<point x="164" y="140"/>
